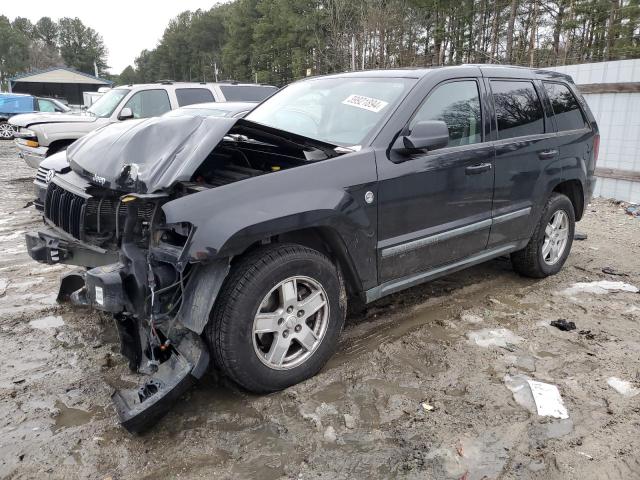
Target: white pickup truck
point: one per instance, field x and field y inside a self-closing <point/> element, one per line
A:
<point x="40" y="135"/>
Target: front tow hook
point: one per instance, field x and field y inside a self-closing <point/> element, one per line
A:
<point x="140" y="408"/>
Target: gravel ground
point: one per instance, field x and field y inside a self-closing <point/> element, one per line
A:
<point x="408" y="395"/>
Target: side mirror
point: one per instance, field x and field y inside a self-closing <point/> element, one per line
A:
<point x="125" y="114"/>
<point x="425" y="135"/>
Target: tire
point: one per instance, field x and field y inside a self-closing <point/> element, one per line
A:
<point x="6" y="131"/>
<point x="535" y="260"/>
<point x="251" y="359"/>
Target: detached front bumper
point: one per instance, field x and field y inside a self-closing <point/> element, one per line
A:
<point x="50" y="247"/>
<point x="169" y="356"/>
<point x="31" y="155"/>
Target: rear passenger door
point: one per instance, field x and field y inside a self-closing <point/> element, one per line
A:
<point x="573" y="130"/>
<point x="524" y="144"/>
<point x="435" y="207"/>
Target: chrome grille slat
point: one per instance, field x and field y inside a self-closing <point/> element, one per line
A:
<point x="65" y="210"/>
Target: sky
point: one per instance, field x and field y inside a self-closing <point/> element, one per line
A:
<point x="127" y="27"/>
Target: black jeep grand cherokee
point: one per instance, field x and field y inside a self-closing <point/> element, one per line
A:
<point x="245" y="239"/>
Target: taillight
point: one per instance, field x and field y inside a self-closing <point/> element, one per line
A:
<point x="596" y="148"/>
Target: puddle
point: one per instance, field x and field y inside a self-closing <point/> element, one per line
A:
<point x="47" y="322"/>
<point x="71" y="417"/>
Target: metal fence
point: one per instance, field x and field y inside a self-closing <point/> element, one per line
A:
<point x="612" y="90"/>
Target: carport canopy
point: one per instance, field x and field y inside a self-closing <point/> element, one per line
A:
<point x="59" y="82"/>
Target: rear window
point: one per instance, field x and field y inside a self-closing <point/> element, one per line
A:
<point x="189" y="96"/>
<point x="246" y="93"/>
<point x="565" y="107"/>
<point x="518" y="109"/>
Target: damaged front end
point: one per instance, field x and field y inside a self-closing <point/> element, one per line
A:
<point x="107" y="216"/>
<point x="143" y="283"/>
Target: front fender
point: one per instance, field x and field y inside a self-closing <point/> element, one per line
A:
<point x="327" y="194"/>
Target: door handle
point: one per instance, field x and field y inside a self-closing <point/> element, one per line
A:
<point x="476" y="169"/>
<point x="547" y="154"/>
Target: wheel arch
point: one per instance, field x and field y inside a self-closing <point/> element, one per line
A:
<point x="574" y="190"/>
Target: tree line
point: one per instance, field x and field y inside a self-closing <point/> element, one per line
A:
<point x="26" y="46"/>
<point x="277" y="41"/>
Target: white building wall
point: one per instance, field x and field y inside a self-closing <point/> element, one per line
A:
<point x="618" y="117"/>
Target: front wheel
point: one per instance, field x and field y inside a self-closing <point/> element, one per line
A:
<point x="6" y="131"/>
<point x="551" y="241"/>
<point x="278" y="317"/>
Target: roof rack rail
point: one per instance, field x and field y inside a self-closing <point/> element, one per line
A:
<point x="165" y="82"/>
<point x="232" y="82"/>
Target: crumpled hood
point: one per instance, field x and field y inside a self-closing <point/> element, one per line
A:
<point x="149" y="155"/>
<point x="28" y="119"/>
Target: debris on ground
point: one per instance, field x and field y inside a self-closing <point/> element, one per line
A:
<point x="633" y="210"/>
<point x="47" y="322"/>
<point x="349" y="421"/>
<point x="563" y="325"/>
<point x="623" y="387"/>
<point x="330" y="435"/>
<point x="4" y="283"/>
<point x="537" y="397"/>
<point x="599" y="288"/>
<point x="579" y="236"/>
<point x="470" y="318"/>
<point x="613" y="271"/>
<point x="499" y="337"/>
<point x="427" y="407"/>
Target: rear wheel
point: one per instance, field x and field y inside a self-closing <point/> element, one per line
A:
<point x="551" y="241"/>
<point x="6" y="131"/>
<point x="278" y="317"/>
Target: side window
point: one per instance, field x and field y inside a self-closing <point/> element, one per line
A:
<point x="458" y="105"/>
<point x="46" y="105"/>
<point x="565" y="107"/>
<point x="518" y="109"/>
<point x="189" y="96"/>
<point x="149" y="103"/>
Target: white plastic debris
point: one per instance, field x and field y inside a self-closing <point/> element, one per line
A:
<point x="330" y="435"/>
<point x="537" y="397"/>
<point x="623" y="387"/>
<point x="471" y="318"/>
<point x="599" y="288"/>
<point x="498" y="337"/>
<point x="47" y="322"/>
<point x="548" y="400"/>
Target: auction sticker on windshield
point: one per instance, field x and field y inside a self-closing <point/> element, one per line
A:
<point x="367" y="103"/>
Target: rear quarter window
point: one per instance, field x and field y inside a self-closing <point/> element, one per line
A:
<point x="246" y="93"/>
<point x="518" y="108"/>
<point x="566" y="109"/>
<point x="190" y="96"/>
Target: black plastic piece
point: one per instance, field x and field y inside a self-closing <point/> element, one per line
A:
<point x="140" y="408"/>
<point x="104" y="288"/>
<point x="69" y="283"/>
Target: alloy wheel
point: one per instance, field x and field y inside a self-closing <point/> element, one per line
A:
<point x="290" y="323"/>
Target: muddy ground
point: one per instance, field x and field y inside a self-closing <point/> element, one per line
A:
<point x="408" y="395"/>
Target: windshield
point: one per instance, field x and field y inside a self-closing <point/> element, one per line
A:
<point x="197" y="112"/>
<point x="341" y="111"/>
<point x="107" y="103"/>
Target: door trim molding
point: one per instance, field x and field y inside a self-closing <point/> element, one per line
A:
<point x="396" y="285"/>
<point x="432" y="239"/>
<point x="449" y="234"/>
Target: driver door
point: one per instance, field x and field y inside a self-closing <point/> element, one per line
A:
<point x="435" y="207"/>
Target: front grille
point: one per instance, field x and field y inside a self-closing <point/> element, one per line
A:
<point x="65" y="210"/>
<point x="41" y="175"/>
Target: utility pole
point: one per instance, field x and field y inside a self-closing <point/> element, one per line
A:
<point x="353" y="52"/>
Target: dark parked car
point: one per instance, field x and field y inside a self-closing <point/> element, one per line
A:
<point x="15" y="103"/>
<point x="245" y="239"/>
